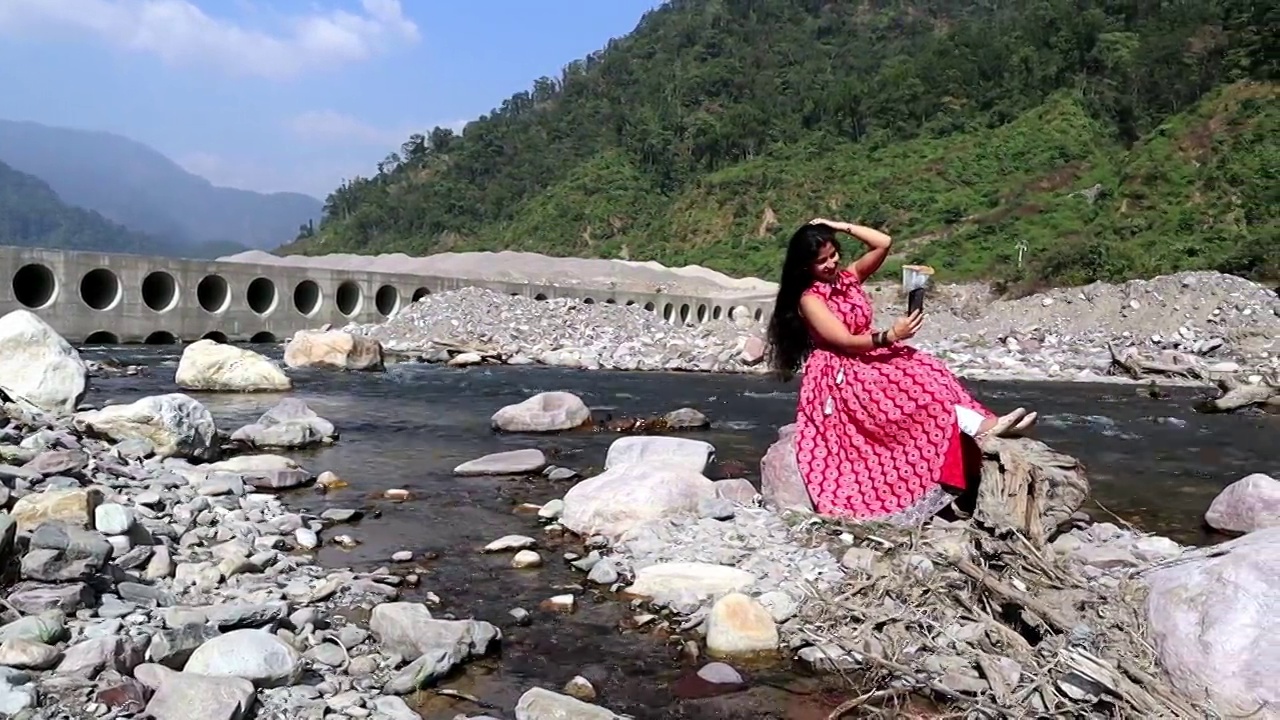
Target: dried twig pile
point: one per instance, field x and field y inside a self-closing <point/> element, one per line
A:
<point x="984" y="618"/>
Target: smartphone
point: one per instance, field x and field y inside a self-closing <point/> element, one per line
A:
<point x="915" y="301"/>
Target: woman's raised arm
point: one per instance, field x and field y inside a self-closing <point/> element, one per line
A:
<point x="877" y="243"/>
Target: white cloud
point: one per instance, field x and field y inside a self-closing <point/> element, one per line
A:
<point x="178" y="31"/>
<point x="330" y="126"/>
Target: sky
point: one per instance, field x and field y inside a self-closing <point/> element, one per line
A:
<point x="296" y="95"/>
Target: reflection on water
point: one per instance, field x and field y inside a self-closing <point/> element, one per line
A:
<point x="1152" y="462"/>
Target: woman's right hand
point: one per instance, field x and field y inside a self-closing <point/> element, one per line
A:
<point x="905" y="328"/>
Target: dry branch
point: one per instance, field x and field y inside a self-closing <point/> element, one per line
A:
<point x="1235" y="392"/>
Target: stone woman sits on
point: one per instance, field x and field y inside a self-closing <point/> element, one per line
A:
<point x="878" y="423"/>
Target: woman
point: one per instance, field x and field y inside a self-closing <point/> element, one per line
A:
<point x="878" y="424"/>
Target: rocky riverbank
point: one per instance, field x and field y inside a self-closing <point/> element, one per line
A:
<point x="1028" y="607"/>
<point x="151" y="566"/>
<point x="1217" y="323"/>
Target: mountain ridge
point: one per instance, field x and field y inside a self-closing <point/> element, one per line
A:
<point x="135" y="185"/>
<point x="716" y="126"/>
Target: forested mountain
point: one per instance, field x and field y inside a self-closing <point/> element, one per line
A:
<point x="32" y="215"/>
<point x="1029" y="141"/>
<point x="138" y="187"/>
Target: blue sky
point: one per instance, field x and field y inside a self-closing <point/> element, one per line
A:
<point x="285" y="94"/>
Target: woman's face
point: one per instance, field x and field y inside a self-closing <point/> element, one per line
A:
<point x="826" y="266"/>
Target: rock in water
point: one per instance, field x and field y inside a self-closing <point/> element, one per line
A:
<point x="175" y="424"/>
<point x="512" y="462"/>
<point x="333" y="349"/>
<point x="39" y="367"/>
<point x="409" y="630"/>
<point x="544" y="412"/>
<point x="622" y="497"/>
<point x="290" y="424"/>
<point x="209" y="365"/>
<point x="1212" y="620"/>
<point x="540" y="704"/>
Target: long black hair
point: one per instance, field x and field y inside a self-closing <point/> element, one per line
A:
<point x="789" y="342"/>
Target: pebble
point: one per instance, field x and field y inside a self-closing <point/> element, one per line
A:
<point x="526" y="559"/>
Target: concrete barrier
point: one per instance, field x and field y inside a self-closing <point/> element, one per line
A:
<point x="98" y="298"/>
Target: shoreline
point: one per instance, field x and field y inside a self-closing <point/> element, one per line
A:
<point x="410" y="357"/>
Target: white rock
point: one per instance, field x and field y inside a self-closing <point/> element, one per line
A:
<point x="174" y="424"/>
<point x="540" y="704"/>
<point x="510" y="542"/>
<point x="1212" y="620"/>
<point x="113" y="519"/>
<point x="255" y="655"/>
<point x="622" y="497"/>
<point x="213" y="366"/>
<point x="511" y="462"/>
<point x="650" y="450"/>
<point x="39" y="367"/>
<point x="526" y="559"/>
<point x="700" y="580"/>
<point x="544" y="412"/>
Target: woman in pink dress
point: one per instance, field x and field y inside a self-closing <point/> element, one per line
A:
<point x="879" y="424"/>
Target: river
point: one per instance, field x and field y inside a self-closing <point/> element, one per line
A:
<point x="1155" y="463"/>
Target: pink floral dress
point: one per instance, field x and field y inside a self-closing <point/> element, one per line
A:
<point x="876" y="432"/>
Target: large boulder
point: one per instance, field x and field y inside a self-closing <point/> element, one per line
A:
<point x="176" y="425"/>
<point x="1211" y="617"/>
<point x="335" y="349"/>
<point x="38" y="367"/>
<point x="544" y="412"/>
<point x="1248" y="504"/>
<point x="213" y="366"/>
<point x="625" y="496"/>
<point x="780" y="481"/>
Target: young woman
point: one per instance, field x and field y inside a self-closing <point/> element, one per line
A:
<point x="878" y="424"/>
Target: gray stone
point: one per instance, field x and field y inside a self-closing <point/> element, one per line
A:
<point x="186" y="696"/>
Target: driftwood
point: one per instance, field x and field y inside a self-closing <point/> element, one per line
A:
<point x="980" y="616"/>
<point x="1028" y="488"/>
<point x="1137" y="366"/>
<point x="1237" y="394"/>
<point x="1235" y="391"/>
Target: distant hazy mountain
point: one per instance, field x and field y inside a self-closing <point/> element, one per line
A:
<point x="31" y="215"/>
<point x="136" y="186"/>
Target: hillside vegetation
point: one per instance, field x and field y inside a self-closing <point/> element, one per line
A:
<point x="1029" y="141"/>
<point x="136" y="186"/>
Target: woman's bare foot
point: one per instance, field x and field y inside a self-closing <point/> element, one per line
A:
<point x="1021" y="427"/>
<point x="1001" y="426"/>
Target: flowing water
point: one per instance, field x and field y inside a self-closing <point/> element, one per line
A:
<point x="1154" y="463"/>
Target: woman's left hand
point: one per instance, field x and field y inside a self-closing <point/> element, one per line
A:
<point x="841" y="226"/>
